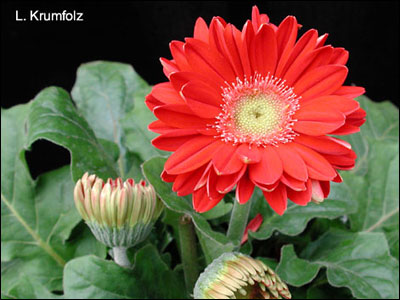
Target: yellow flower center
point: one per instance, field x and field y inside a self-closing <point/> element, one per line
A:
<point x="258" y="115"/>
<point x="257" y="111"/>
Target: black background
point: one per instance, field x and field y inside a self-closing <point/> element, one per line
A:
<point x="38" y="54"/>
<point x="35" y="55"/>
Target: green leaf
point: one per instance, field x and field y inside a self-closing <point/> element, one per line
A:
<point x="325" y="291"/>
<point x="90" y="277"/>
<point x="296" y="217"/>
<point x="37" y="217"/>
<point x="53" y="117"/>
<point x="375" y="179"/>
<point x="293" y="270"/>
<point x="213" y="243"/>
<point x="152" y="170"/>
<point x="359" y="261"/>
<point x="103" y="93"/>
<point x="218" y="211"/>
<point x="35" y="243"/>
<point x="137" y="137"/>
<point x="382" y="125"/>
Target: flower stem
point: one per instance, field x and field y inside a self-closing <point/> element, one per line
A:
<point x="120" y="257"/>
<point x="238" y="221"/>
<point x="188" y="247"/>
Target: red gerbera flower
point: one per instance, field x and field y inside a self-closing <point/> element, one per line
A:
<point x="254" y="108"/>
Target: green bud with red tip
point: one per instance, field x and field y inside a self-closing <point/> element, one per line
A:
<point x="120" y="214"/>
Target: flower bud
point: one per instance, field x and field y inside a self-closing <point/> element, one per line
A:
<point x="238" y="276"/>
<point x="120" y="214"/>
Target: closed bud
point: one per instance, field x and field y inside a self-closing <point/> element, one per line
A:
<point x="120" y="214"/>
<point x="238" y="276"/>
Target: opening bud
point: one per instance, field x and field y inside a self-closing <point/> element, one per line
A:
<point x="120" y="214"/>
<point x="238" y="276"/>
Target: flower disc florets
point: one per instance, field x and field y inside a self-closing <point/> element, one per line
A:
<point x="257" y="111"/>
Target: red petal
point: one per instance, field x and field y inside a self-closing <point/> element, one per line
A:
<point x="267" y="187"/>
<point x="320" y="81"/>
<point x="180" y="116"/>
<point x="244" y="42"/>
<point x="179" y="79"/>
<point x="269" y="169"/>
<point x="179" y="56"/>
<point x="302" y="197"/>
<point x="253" y="225"/>
<point x="347" y="160"/>
<point x="172" y="140"/>
<point x="350" y="91"/>
<point x="184" y="184"/>
<point x="338" y="178"/>
<point x="225" y="183"/>
<point x="325" y="185"/>
<point x="277" y="199"/>
<point x="152" y="102"/>
<point x="192" y="155"/>
<point x="226" y="162"/>
<point x="258" y="19"/>
<point x="317" y="120"/>
<point x="292" y="162"/>
<point x="201" y="101"/>
<point x="244" y="189"/>
<point x="346" y="129"/>
<point x="325" y="144"/>
<point x="231" y="35"/>
<point x="264" y="42"/>
<point x="321" y="40"/>
<point x="317" y="166"/>
<point x="201" y="30"/>
<point x="306" y="63"/>
<point x="211" y="186"/>
<point x="160" y="127"/>
<point x="201" y="201"/>
<point x="165" y="93"/>
<point x="286" y="38"/>
<point x="168" y="66"/>
<point x="208" y="62"/>
<point x="302" y="48"/>
<point x="343" y="104"/>
<point x="293" y="183"/>
<point x="219" y="43"/>
<point x="321" y="58"/>
<point x="339" y="56"/>
<point x="248" y="155"/>
<point x="204" y="177"/>
<point x="167" y="177"/>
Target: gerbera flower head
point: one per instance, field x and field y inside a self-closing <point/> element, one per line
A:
<point x="255" y="107"/>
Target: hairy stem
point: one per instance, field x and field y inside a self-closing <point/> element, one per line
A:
<point x="188" y="251"/>
<point x="238" y="221"/>
<point x="120" y="257"/>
